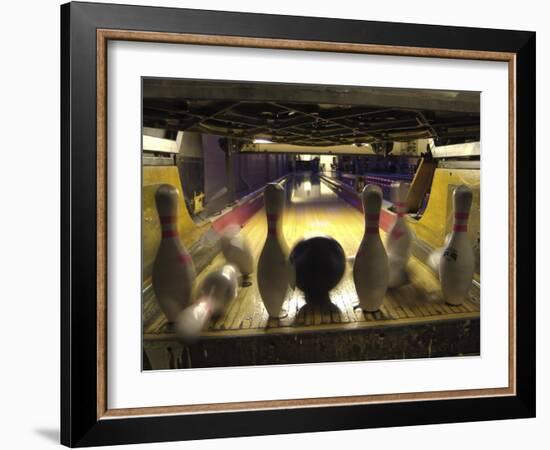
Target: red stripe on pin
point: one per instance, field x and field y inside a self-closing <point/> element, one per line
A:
<point x="460" y="228"/>
<point x="169" y="233"/>
<point x="375" y="216"/>
<point x="396" y="234"/>
<point x="184" y="258"/>
<point x="371" y="230"/>
<point x="461" y="216"/>
<point x="272" y="220"/>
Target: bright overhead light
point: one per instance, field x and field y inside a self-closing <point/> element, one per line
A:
<point x="262" y="141"/>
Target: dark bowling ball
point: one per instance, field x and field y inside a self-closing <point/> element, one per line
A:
<point x="319" y="263"/>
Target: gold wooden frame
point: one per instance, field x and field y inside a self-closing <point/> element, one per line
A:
<point x="104" y="35"/>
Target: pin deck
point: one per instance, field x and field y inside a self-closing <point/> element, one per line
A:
<point x="418" y="305"/>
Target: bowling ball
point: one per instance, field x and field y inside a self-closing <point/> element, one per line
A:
<point x="319" y="263"/>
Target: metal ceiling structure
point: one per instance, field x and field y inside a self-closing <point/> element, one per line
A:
<point x="310" y="115"/>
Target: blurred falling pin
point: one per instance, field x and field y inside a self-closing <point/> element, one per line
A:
<point x="434" y="259"/>
<point x="236" y="250"/>
<point x="457" y="265"/>
<point x="274" y="272"/>
<point x="400" y="237"/>
<point x="370" y="268"/>
<point x="218" y="288"/>
<point x="173" y="269"/>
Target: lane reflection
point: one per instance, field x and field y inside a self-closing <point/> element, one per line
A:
<point x="316" y="210"/>
<point x="307" y="187"/>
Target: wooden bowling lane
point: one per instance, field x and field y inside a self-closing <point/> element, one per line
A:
<point x="313" y="208"/>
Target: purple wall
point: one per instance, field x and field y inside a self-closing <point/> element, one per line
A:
<point x="250" y="171"/>
<point x="214" y="166"/>
<point x="243" y="170"/>
<point x="256" y="170"/>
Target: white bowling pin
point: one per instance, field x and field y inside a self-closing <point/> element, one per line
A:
<point x="434" y="259"/>
<point x="456" y="268"/>
<point x="370" y="268"/>
<point x="274" y="271"/>
<point x="173" y="270"/>
<point x="236" y="249"/>
<point x="400" y="237"/>
<point x="217" y="289"/>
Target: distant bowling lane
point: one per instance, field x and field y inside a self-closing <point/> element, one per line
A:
<point x="315" y="209"/>
<point x="312" y="208"/>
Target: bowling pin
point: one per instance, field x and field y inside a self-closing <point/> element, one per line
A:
<point x="400" y="238"/>
<point x="236" y="249"/>
<point x="218" y="288"/>
<point x="456" y="268"/>
<point x="370" y="268"/>
<point x="434" y="259"/>
<point x="274" y="271"/>
<point x="173" y="269"/>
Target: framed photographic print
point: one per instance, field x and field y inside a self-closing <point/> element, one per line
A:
<point x="277" y="224"/>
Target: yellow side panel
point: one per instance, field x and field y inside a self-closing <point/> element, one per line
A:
<point x="437" y="220"/>
<point x="420" y="184"/>
<point x="153" y="176"/>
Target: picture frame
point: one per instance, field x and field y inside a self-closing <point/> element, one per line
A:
<point x="86" y="419"/>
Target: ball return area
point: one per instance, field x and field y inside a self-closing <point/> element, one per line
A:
<point x="413" y="322"/>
